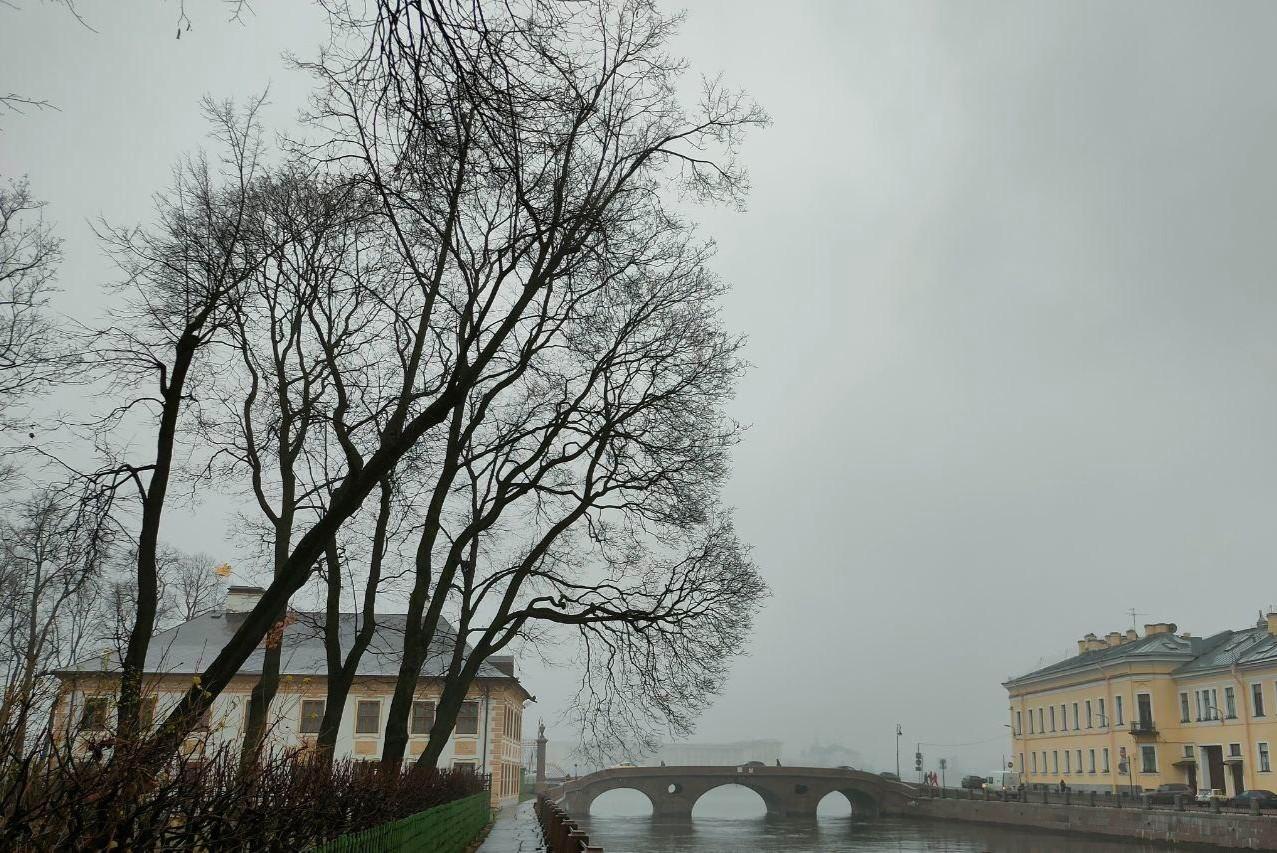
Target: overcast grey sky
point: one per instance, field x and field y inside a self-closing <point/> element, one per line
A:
<point x="1007" y="279"/>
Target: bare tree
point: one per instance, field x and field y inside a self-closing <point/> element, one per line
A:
<point x="182" y="277"/>
<point x="53" y="549"/>
<point x="519" y="158"/>
<point x="29" y="256"/>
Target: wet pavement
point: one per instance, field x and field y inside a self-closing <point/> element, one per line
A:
<point x="515" y="831"/>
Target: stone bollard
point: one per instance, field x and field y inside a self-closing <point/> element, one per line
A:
<point x="1091" y="799"/>
<point x="1117" y="801"/>
<point x="986" y="795"/>
<point x="1044" y="796"/>
<point x="1068" y="796"/>
<point x="1179" y="802"/>
<point x="1214" y="806"/>
<point x="1254" y="806"/>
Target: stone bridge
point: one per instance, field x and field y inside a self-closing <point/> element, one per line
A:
<point x="787" y="791"/>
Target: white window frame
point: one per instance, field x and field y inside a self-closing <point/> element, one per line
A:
<point x="301" y="715"/>
<point x="359" y="702"/>
<point x="1105" y="755"/>
<point x="1257" y="704"/>
<point x="1263" y="761"/>
<point x="1144" y="753"/>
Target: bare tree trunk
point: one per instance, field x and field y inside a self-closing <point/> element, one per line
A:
<point x="133" y="665"/>
<point x="341" y="672"/>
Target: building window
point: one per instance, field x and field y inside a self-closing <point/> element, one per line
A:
<point x="1117" y="702"/>
<point x="1052" y="718"/>
<point x="1079" y="761"/>
<point x="1090" y="766"/>
<point x="1257" y="696"/>
<point x="463" y="766"/>
<point x="1055" y="761"/>
<point x="1230" y="703"/>
<point x="1018" y="721"/>
<point x="1103" y="719"/>
<point x="1104" y="760"/>
<point x="93" y="718"/>
<point x="312" y="716"/>
<point x="1034" y="756"/>
<point x="368" y="717"/>
<point x="1064" y="718"/>
<point x="1208" y="704"/>
<point x="423" y="717"/>
<point x="1265" y="765"/>
<point x="1041" y="727"/>
<point x="1030" y="721"/>
<point x="1077" y="722"/>
<point x="1148" y="759"/>
<point x="468" y="719"/>
<point x="1067" y="762"/>
<point x="1144" y="708"/>
<point x="1235" y="750"/>
<point x="1089" y="720"/>
<point x="1185" y="714"/>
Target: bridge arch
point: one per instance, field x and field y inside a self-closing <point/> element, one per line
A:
<point x="584" y="803"/>
<point x="767" y="799"/>
<point x="859" y="803"/>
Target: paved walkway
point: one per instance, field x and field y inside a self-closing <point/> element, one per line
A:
<point x="515" y="831"/>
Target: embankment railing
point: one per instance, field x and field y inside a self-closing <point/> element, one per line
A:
<point x="560" y="832"/>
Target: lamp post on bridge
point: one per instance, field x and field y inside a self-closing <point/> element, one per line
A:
<point x="898" y="733"/>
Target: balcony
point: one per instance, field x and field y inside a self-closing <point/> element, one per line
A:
<point x="1143" y="728"/>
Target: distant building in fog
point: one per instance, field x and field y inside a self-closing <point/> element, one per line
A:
<point x="829" y="755"/>
<point x="717" y="754"/>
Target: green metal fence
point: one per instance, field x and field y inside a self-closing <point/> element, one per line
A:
<point x="449" y="828"/>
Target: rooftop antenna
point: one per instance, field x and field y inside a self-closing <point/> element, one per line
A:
<point x="1133" y="613"/>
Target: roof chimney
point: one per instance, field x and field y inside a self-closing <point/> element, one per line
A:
<point x="1272" y="623"/>
<point x="1113" y="638"/>
<point x="1160" y="628"/>
<point x="241" y="599"/>
<point x="1132" y="635"/>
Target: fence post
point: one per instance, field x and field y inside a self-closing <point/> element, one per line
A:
<point x="1091" y="800"/>
<point x="1254" y="806"/>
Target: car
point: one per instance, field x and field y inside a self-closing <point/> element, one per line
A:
<point x="1211" y="795"/>
<point x="888" y="775"/>
<point x="1266" y="799"/>
<point x="973" y="782"/>
<point x="1165" y="794"/>
<point x="753" y="764"/>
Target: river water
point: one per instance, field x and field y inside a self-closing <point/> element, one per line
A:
<point x="733" y="820"/>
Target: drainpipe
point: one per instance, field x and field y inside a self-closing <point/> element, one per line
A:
<point x="487" y="723"/>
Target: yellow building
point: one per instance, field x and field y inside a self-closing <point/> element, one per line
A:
<point x="1134" y="712"/>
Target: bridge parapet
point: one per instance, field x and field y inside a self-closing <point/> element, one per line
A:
<point x="787" y="791"/>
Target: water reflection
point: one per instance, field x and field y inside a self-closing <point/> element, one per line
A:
<point x="727" y="821"/>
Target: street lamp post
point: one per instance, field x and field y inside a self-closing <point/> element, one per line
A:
<point x="898" y="733"/>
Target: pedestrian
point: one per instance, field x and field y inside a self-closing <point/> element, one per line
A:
<point x="1062" y="786"/>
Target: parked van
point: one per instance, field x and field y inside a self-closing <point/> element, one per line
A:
<point x="1002" y="780"/>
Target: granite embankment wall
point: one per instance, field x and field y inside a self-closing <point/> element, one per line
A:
<point x="1223" y="830"/>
